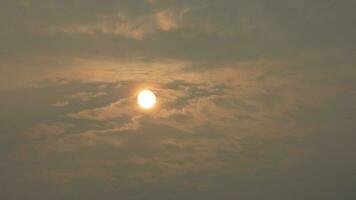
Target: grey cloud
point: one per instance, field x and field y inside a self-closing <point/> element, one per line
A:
<point x="207" y="31"/>
<point x="255" y="99"/>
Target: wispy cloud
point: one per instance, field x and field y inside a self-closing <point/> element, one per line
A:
<point x="122" y="24"/>
<point x="60" y="104"/>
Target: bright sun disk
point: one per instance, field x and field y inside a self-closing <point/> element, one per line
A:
<point x="146" y="99"/>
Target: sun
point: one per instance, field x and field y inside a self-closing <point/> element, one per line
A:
<point x="146" y="99"/>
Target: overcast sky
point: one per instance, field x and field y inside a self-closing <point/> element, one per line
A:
<point x="256" y="99"/>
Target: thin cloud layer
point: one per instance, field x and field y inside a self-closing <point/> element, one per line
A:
<point x="255" y="99"/>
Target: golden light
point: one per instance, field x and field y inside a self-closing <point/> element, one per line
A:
<point x="146" y="99"/>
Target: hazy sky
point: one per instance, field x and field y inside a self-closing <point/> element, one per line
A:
<point x="256" y="100"/>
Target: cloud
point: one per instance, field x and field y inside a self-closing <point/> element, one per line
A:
<point x="256" y="102"/>
<point x="248" y="93"/>
<point x="44" y="131"/>
<point x="166" y="21"/>
<point x="114" y="110"/>
<point x="60" y="104"/>
<point x="122" y="23"/>
<point x="86" y="96"/>
<point x="119" y="24"/>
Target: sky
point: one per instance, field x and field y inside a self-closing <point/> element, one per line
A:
<point x="255" y="99"/>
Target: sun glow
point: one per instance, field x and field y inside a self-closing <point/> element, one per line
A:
<point x="146" y="99"/>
